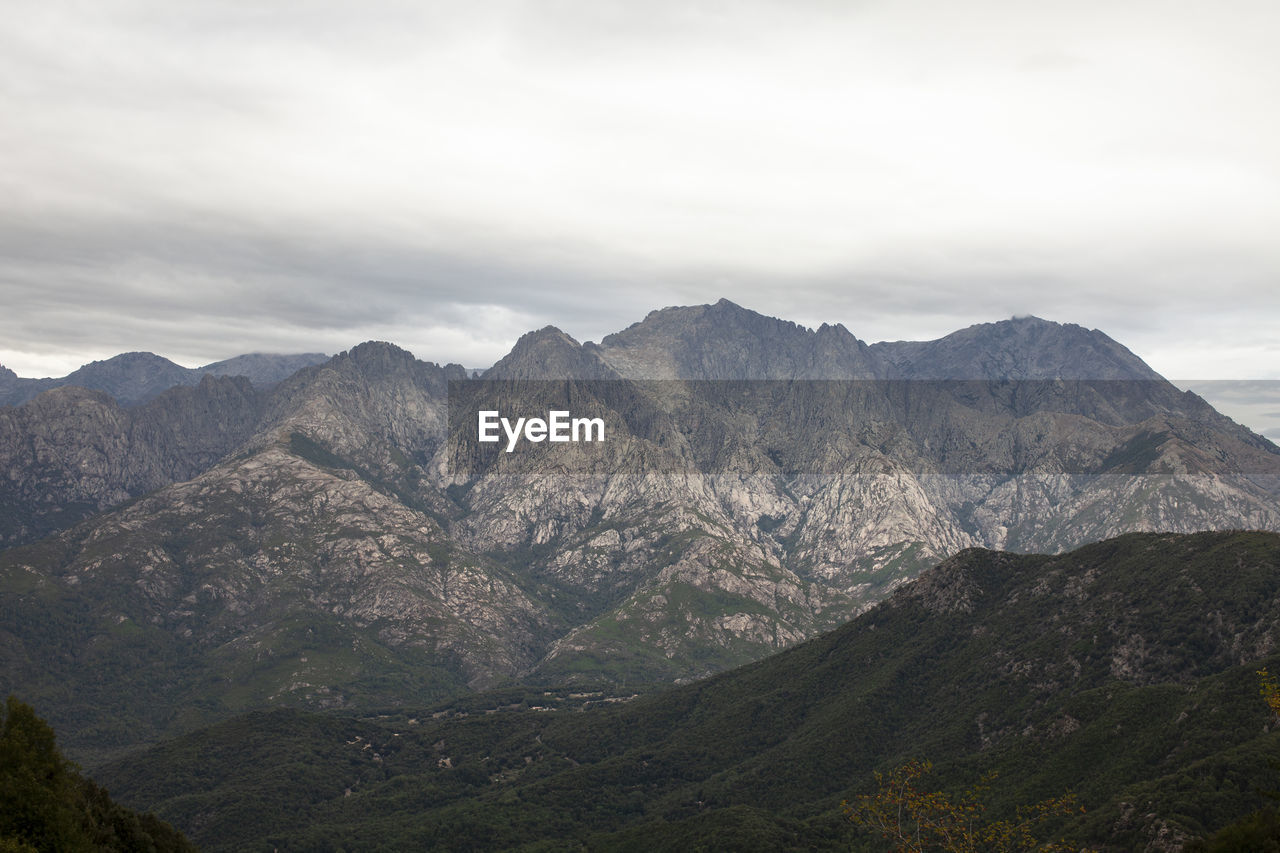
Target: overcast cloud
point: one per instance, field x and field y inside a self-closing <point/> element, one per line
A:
<point x="201" y="179"/>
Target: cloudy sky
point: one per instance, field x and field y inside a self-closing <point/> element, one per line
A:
<point x="210" y="177"/>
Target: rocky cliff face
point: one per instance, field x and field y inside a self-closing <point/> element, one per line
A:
<point x="760" y="483"/>
<point x="72" y="452"/>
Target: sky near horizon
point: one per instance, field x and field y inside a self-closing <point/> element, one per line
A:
<point x="203" y="179"/>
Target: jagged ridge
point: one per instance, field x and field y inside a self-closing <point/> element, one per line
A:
<point x="725" y="519"/>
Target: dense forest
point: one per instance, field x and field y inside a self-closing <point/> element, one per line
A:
<point x="1124" y="675"/>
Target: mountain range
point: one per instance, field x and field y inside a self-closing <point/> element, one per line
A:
<point x="135" y="377"/>
<point x="340" y="539"/>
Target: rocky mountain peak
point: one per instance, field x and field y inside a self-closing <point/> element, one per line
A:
<point x="545" y="335"/>
<point x="727" y="341"/>
<point x="264" y="368"/>
<point x="1024" y="347"/>
<point x="374" y="353"/>
<point x="126" y="363"/>
<point x="682" y="320"/>
<point x="374" y="361"/>
<point x="549" y="353"/>
<point x="130" y="377"/>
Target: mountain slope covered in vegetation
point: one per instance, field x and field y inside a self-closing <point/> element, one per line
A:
<point x="1123" y="672"/>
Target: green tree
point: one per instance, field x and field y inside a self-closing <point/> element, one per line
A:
<point x="46" y="805"/>
<point x="915" y="820"/>
<point x="37" y="785"/>
<point x="1260" y="831"/>
<point x="1270" y="690"/>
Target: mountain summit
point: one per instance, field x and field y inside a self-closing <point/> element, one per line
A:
<point x="342" y="538"/>
<point x="549" y="354"/>
<point x="1020" y="348"/>
<point x="726" y="341"/>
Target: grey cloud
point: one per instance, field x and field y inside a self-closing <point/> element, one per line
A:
<point x="221" y="177"/>
<point x="125" y="284"/>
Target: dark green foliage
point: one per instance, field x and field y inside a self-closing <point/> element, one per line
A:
<point x="1135" y="455"/>
<point x="46" y="805"/>
<point x="22" y="520"/>
<point x="1123" y="672"/>
<point x="1258" y="833"/>
<point x="38" y="786"/>
<point x="739" y="828"/>
<point x="312" y="451"/>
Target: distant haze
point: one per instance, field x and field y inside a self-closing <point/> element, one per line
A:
<point x="203" y="179"/>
